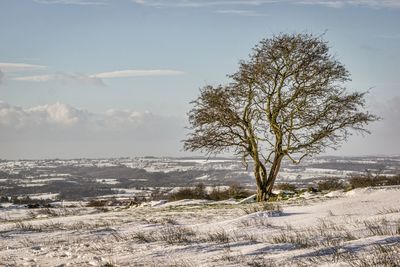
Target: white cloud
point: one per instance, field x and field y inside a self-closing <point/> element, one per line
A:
<point x="328" y="3"/>
<point x="58" y="114"/>
<point x="1" y="77"/>
<point x="73" y="2"/>
<point x="240" y="12"/>
<point x="66" y="77"/>
<point x="7" y="68"/>
<point x="36" y="78"/>
<point x="61" y="130"/>
<point x="135" y="73"/>
<point x="343" y="3"/>
<point x="96" y="79"/>
<point x="198" y="3"/>
<point x="14" y="67"/>
<point x="334" y="4"/>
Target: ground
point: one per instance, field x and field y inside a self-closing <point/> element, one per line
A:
<point x="356" y="228"/>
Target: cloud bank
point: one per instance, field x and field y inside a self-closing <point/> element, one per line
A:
<point x="18" y="118"/>
<point x="64" y="131"/>
<point x="136" y="73"/>
<point x="15" y="67"/>
<point x="73" y="2"/>
<point x="6" y="67"/>
<point x="1" y="77"/>
<point x="240" y="12"/>
<point x="61" y="130"/>
<point x="96" y="79"/>
<point x="65" y="77"/>
<point x="328" y="3"/>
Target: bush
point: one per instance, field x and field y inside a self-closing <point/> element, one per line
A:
<point x="234" y="191"/>
<point x="97" y="203"/>
<point x="219" y="194"/>
<point x="369" y="180"/>
<point x="198" y="192"/>
<point x="331" y="184"/>
<point x="30" y="202"/>
<point x="286" y="187"/>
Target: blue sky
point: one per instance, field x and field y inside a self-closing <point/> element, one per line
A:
<point x="98" y="78"/>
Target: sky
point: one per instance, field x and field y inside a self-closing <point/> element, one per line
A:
<point x="103" y="78"/>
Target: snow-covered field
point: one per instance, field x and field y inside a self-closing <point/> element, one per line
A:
<point x="356" y="228"/>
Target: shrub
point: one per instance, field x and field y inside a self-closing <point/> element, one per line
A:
<point x="30" y="202"/>
<point x="286" y="187"/>
<point x="331" y="184"/>
<point x="234" y="191"/>
<point x="199" y="192"/>
<point x="369" y="180"/>
<point x="97" y="203"/>
<point x="219" y="194"/>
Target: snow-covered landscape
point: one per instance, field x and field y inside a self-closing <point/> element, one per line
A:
<point x="78" y="179"/>
<point x="360" y="227"/>
<point x="119" y="212"/>
<point x="208" y="133"/>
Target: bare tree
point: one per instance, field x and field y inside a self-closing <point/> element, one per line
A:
<point x="287" y="100"/>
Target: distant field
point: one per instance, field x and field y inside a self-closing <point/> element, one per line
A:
<point x="139" y="177"/>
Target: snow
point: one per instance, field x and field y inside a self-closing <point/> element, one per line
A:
<point x="32" y="185"/>
<point x="250" y="199"/>
<point x="204" y="177"/>
<point x="107" y="181"/>
<point x="44" y="196"/>
<point x="337" y="193"/>
<point x="46" y="180"/>
<point x="325" y="230"/>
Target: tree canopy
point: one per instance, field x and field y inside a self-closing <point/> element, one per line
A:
<point x="288" y="99"/>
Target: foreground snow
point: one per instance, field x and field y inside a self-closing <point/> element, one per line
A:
<point x="358" y="227"/>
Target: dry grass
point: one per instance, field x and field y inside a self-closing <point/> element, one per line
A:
<point x="143" y="237"/>
<point x="271" y="208"/>
<point x="256" y="222"/>
<point x="382" y="227"/>
<point x="385" y="256"/>
<point x="388" y="211"/>
<point x="176" y="235"/>
<point x="219" y="236"/>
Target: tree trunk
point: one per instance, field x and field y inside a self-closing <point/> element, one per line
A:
<point x="265" y="182"/>
<point x="273" y="173"/>
<point x="261" y="176"/>
<point x="262" y="194"/>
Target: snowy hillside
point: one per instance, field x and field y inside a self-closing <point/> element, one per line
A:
<point x="355" y="228"/>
